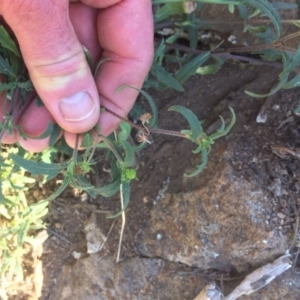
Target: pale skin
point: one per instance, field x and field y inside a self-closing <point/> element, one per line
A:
<point x="51" y="34"/>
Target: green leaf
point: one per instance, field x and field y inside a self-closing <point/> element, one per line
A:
<point x="81" y="183"/>
<point x="27" y="85"/>
<point x="5" y="67"/>
<point x="231" y="8"/>
<point x="125" y="131"/>
<point x="224" y="131"/>
<point x="165" y="11"/>
<point x="109" y="189"/>
<point x="193" y="31"/>
<point x="191" y="67"/>
<point x="126" y="193"/>
<point x="129" y="155"/>
<point x="110" y="145"/>
<point x="42" y="204"/>
<point x="151" y="102"/>
<point x="35" y="212"/>
<point x="4" y="212"/>
<point x="165" y="77"/>
<point x="22" y="233"/>
<point x="54" y="135"/>
<point x="18" y="271"/>
<point x="282" y="5"/>
<point x="200" y="167"/>
<point x="160" y="50"/>
<point x="269" y="10"/>
<point x="7" y="86"/>
<point x="38" y="168"/>
<point x="293" y="64"/>
<point x="87" y="140"/>
<point x="293" y="82"/>
<point x="211" y="69"/>
<point x="195" y="124"/>
<point x="7" y="42"/>
<point x="297" y="110"/>
<point x="281" y="83"/>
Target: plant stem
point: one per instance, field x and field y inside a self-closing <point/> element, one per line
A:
<point x="111" y="147"/>
<point x="170" y="24"/>
<point x="13" y="102"/>
<point x="166" y="132"/>
<point x="146" y="130"/>
<point x="123" y="223"/>
<point x="226" y="55"/>
<point x="75" y="152"/>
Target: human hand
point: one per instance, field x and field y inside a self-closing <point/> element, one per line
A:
<point x="51" y="34"/>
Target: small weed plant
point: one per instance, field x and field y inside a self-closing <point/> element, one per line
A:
<point x="20" y="169"/>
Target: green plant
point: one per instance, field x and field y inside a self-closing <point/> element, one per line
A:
<point x="18" y="168"/>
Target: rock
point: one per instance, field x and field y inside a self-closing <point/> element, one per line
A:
<point x="90" y="278"/>
<point x="220" y="225"/>
<point x="100" y="278"/>
<point x="94" y="236"/>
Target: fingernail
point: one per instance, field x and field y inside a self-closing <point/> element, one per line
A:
<point x="77" y="107"/>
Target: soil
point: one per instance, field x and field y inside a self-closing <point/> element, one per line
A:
<point x="267" y="157"/>
<point x="265" y="154"/>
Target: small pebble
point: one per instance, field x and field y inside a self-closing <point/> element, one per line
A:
<point x="58" y="225"/>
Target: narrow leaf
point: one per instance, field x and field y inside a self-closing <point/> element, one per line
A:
<point x="129" y="155"/>
<point x="269" y="10"/>
<point x="54" y="135"/>
<point x="7" y="42"/>
<point x="151" y="102"/>
<point x="81" y="183"/>
<point x="160" y="50"/>
<point x="87" y="140"/>
<point x="37" y="168"/>
<point x="22" y="233"/>
<point x="5" y="67"/>
<point x="224" y="131"/>
<point x="200" y="167"/>
<point x="281" y="83"/>
<point x="293" y="82"/>
<point x="195" y="124"/>
<point x="295" y="61"/>
<point x="165" y="77"/>
<point x="165" y="11"/>
<point x="7" y="86"/>
<point x="35" y="210"/>
<point x="27" y="85"/>
<point x="109" y="189"/>
<point x="62" y="187"/>
<point x="125" y="131"/>
<point x="191" y="67"/>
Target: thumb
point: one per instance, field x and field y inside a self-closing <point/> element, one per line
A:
<point x="55" y="60"/>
